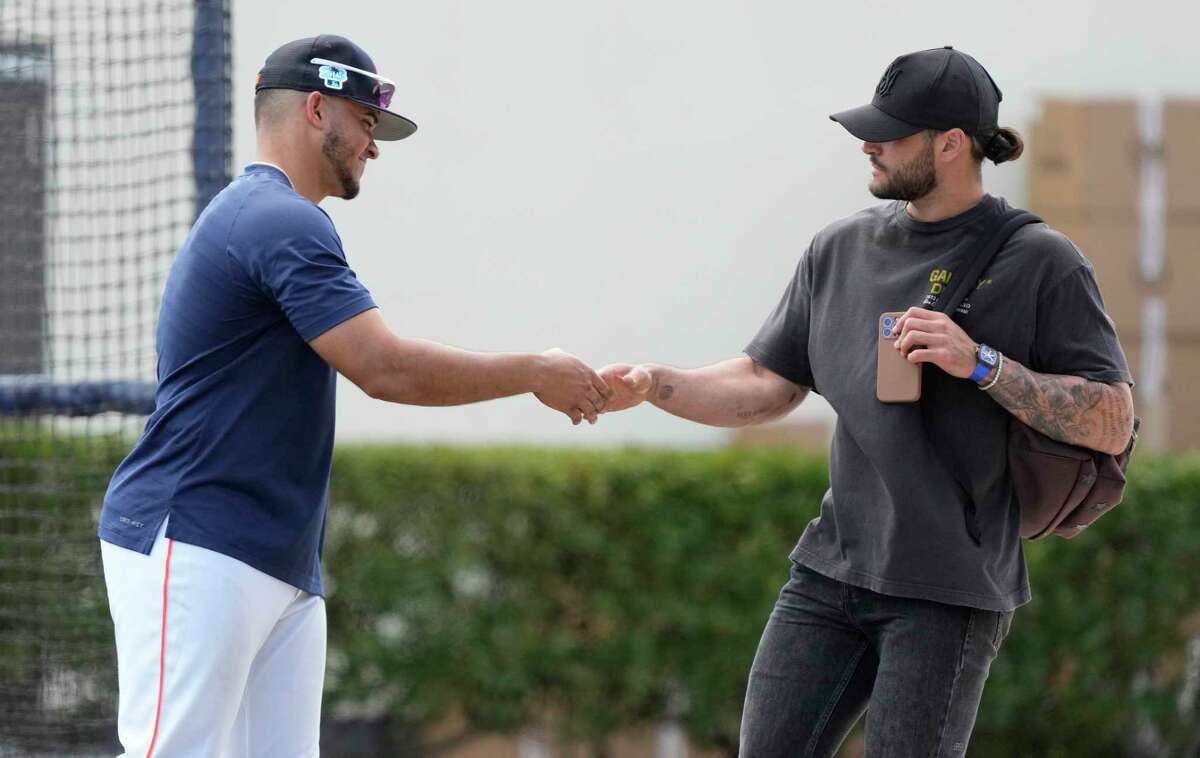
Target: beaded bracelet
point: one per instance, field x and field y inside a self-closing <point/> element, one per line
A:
<point x="996" y="378"/>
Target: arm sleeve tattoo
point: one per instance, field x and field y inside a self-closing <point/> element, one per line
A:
<point x="1070" y="409"/>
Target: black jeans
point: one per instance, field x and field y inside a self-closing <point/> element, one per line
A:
<point x="831" y="651"/>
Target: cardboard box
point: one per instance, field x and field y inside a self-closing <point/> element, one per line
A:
<point x="1181" y="154"/>
<point x="1182" y="280"/>
<point x="1085" y="155"/>
<point x="1154" y="435"/>
<point x="1131" y="345"/>
<point x="1112" y="248"/>
<point x="1173" y="423"/>
<point x="1183" y="402"/>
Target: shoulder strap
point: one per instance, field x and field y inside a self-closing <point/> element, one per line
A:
<point x="994" y="238"/>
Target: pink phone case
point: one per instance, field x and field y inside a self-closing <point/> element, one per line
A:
<point x="896" y="379"/>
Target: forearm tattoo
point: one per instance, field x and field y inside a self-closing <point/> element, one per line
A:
<point x="746" y="415"/>
<point x="1067" y="408"/>
<point x="768" y="410"/>
<point x="659" y="392"/>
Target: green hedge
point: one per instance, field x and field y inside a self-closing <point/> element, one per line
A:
<point x="603" y="589"/>
<point x="57" y="670"/>
<point x="1100" y="653"/>
<point x="609" y="588"/>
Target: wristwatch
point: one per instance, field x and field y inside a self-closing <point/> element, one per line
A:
<point x="986" y="359"/>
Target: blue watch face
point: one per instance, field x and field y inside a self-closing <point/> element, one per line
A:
<point x="988" y="355"/>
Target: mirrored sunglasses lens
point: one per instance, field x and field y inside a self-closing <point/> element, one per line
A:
<point x="385" y="95"/>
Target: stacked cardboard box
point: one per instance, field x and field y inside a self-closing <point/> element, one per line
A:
<point x="1181" y="153"/>
<point x="1083" y="180"/>
<point x="1086" y="180"/>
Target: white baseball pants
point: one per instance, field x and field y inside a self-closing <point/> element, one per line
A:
<point x="214" y="658"/>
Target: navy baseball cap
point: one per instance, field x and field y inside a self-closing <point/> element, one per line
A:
<point x="938" y="89"/>
<point x="335" y="66"/>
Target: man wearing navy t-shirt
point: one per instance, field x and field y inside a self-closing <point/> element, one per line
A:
<point x="212" y="527"/>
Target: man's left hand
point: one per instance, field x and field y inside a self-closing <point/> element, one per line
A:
<point x="932" y="337"/>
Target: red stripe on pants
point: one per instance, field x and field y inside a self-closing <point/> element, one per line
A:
<point x="162" y="650"/>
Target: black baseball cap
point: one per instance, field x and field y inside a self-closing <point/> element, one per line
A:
<point x="938" y="89"/>
<point x="335" y="66"/>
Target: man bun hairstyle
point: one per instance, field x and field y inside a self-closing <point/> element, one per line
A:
<point x="1004" y="145"/>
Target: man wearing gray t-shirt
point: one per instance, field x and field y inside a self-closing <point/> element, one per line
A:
<point x="904" y="587"/>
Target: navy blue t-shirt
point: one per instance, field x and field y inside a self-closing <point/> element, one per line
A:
<point x="238" y="449"/>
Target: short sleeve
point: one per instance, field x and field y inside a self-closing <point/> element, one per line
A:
<point x="782" y="342"/>
<point x="1074" y="334"/>
<point x="303" y="269"/>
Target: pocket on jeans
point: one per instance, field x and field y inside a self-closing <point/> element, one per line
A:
<point x="1003" y="626"/>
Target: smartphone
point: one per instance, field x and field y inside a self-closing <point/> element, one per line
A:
<point x="896" y="380"/>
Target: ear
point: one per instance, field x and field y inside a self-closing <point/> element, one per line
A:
<point x="316" y="110"/>
<point x="954" y="143"/>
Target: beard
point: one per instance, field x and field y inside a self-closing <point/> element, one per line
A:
<point x="912" y="181"/>
<point x="341" y="161"/>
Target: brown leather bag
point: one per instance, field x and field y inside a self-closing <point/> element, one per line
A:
<point x="1062" y="488"/>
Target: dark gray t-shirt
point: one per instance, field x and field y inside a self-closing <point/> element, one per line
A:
<point x="894" y="519"/>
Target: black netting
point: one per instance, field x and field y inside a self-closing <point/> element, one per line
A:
<point x="116" y="122"/>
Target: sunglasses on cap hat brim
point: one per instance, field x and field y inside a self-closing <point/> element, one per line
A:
<point x="384" y="87"/>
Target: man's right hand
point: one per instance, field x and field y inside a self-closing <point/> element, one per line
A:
<point x="736" y="392"/>
<point x="566" y="384"/>
<point x="630" y="385"/>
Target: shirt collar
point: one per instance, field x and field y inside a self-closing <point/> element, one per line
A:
<point x="987" y="204"/>
<point x="259" y="166"/>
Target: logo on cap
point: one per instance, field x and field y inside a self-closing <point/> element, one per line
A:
<point x="333" y="76"/>
<point x="888" y="81"/>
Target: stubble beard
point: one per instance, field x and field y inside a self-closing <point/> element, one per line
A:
<point x="341" y="162"/>
<point x="912" y="181"/>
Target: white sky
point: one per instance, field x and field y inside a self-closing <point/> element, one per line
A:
<point x="634" y="180"/>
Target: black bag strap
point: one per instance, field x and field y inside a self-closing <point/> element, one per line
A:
<point x="994" y="236"/>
